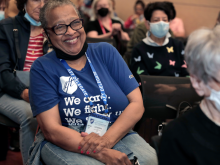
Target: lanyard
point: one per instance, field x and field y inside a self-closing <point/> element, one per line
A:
<point x="76" y="80"/>
<point x="102" y="27"/>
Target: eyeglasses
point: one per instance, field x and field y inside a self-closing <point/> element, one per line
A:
<point x="61" y="29"/>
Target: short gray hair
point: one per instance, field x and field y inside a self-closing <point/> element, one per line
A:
<point x="202" y="53"/>
<point x="50" y="5"/>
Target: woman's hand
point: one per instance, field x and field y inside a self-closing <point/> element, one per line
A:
<point x="134" y="16"/>
<point x="25" y="95"/>
<point x="93" y="143"/>
<point x="114" y="157"/>
<point x="116" y="27"/>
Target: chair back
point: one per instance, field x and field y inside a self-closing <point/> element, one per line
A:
<point x="161" y="95"/>
<point x="95" y="40"/>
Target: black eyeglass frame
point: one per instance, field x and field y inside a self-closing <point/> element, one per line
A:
<point x="52" y="28"/>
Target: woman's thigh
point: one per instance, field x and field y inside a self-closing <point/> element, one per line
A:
<point x="142" y="150"/>
<point x="15" y="109"/>
<point x="52" y="154"/>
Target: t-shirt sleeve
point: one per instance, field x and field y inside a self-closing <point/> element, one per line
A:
<point x="43" y="89"/>
<point x="119" y="70"/>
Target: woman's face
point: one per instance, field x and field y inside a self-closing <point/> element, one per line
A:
<point x="102" y="4"/>
<point x="2" y="6"/>
<point x="72" y="41"/>
<point x="202" y="89"/>
<point x="159" y="15"/>
<point x="33" y="8"/>
<point x="139" y="10"/>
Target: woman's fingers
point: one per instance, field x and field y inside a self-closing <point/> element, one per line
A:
<point x="104" y="143"/>
<point x="88" y="142"/>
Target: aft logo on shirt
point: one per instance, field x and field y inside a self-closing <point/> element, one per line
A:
<point x="68" y="85"/>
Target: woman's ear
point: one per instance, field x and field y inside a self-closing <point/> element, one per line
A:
<point x="198" y="85"/>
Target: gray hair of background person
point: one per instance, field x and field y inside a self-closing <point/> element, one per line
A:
<point x="202" y="53"/>
<point x="94" y="4"/>
<point x="50" y="5"/>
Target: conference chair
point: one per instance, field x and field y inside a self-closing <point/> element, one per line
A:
<point x="162" y="97"/>
<point x="5" y="122"/>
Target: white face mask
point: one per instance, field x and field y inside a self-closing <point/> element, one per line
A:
<point x="215" y="97"/>
<point x="159" y="29"/>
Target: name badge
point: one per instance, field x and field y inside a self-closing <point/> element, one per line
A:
<point x="97" y="123"/>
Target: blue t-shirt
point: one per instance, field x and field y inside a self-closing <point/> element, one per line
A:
<point x="51" y="84"/>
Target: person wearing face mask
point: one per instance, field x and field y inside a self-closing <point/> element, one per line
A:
<point x="158" y="53"/>
<point x="104" y="26"/>
<point x="193" y="138"/>
<point x="2" y="9"/>
<point x="14" y="98"/>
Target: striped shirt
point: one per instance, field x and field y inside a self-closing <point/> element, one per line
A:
<point x="35" y="50"/>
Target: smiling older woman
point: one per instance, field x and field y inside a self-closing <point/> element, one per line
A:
<point x="76" y="90"/>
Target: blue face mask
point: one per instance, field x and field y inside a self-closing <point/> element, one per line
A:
<point x="2" y="15"/>
<point x="159" y="29"/>
<point x="30" y="19"/>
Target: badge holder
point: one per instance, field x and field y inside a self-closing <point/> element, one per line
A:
<point x="97" y="123"/>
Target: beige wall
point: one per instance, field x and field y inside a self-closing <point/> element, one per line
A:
<point x="194" y="13"/>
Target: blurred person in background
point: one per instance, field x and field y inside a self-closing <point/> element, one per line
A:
<point x="86" y="8"/>
<point x="193" y="138"/>
<point x="158" y="53"/>
<point x="104" y="26"/>
<point x="11" y="9"/>
<point x="136" y="18"/>
<point x="176" y="24"/>
<point x="2" y="9"/>
<point x="14" y="93"/>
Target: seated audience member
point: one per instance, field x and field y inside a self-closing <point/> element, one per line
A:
<point x="11" y="9"/>
<point x="158" y="53"/>
<point x="14" y="100"/>
<point x="105" y="88"/>
<point x="138" y="17"/>
<point x="193" y="138"/>
<point x="138" y="35"/>
<point x="104" y="26"/>
<point x="86" y="9"/>
<point x="2" y="9"/>
<point x="176" y="24"/>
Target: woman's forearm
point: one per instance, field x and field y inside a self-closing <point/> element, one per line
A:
<point x="125" y="122"/>
<point x="106" y="35"/>
<point x="125" y="36"/>
<point x="69" y="140"/>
